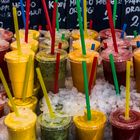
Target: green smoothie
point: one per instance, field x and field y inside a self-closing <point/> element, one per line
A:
<point x="47" y="63"/>
<point x="54" y="129"/>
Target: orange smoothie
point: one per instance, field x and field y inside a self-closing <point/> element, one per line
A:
<point x="76" y="59"/>
<point x="90" y="130"/>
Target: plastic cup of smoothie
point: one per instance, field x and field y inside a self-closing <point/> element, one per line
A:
<point x="90" y="130"/>
<point x="30" y="103"/>
<point x="120" y="60"/>
<point x="17" y="69"/>
<point x="47" y="64"/>
<point x="76" y="58"/>
<point x="54" y="129"/>
<point x="31" y="34"/>
<point x="125" y="129"/>
<point x="92" y="34"/>
<point x="134" y="42"/>
<point x="88" y="42"/>
<point x="4" y="48"/>
<point x="32" y="44"/>
<point x="121" y="43"/>
<point x="21" y="127"/>
<point x="6" y="35"/>
<point x="106" y="33"/>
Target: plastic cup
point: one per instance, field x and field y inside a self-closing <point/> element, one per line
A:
<point x="6" y="35"/>
<point x="106" y="33"/>
<point x="54" y="129"/>
<point x="125" y="129"/>
<point x="88" y="43"/>
<point x="120" y="59"/>
<point x="136" y="65"/>
<point x="76" y="58"/>
<point x="17" y="69"/>
<point x="30" y="103"/>
<point x="90" y="130"/>
<point x="92" y="34"/>
<point x="21" y="127"/>
<point x="47" y="64"/>
<point x="4" y="48"/>
<point x="32" y="44"/>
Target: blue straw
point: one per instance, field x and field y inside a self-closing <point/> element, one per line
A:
<point x="93" y="46"/>
<point x="23" y="14"/>
<point x="139" y="30"/>
<point x="138" y="44"/>
<point x="123" y="30"/>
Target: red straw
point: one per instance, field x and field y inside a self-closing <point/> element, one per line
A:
<point x="56" y="73"/>
<point x="90" y="24"/>
<point x="47" y="16"/>
<point x="108" y="6"/>
<point x="92" y="74"/>
<point x="27" y="20"/>
<point x="39" y="27"/>
<point x="53" y="27"/>
<point x="60" y="46"/>
<point x="105" y="45"/>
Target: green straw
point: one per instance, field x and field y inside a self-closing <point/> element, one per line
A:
<point x="63" y="37"/>
<point x="57" y="20"/>
<point x="114" y="74"/>
<point x="81" y="27"/>
<point x="8" y="92"/>
<point x="84" y="67"/>
<point x="135" y="33"/>
<point x="52" y="114"/>
<point x="27" y="75"/>
<point x="114" y="12"/>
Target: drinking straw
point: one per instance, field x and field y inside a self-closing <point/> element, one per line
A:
<point x="114" y="74"/>
<point x="56" y="73"/>
<point x="108" y="6"/>
<point x="16" y="30"/>
<point x="114" y="12"/>
<point x="105" y="45"/>
<point x="135" y="33"/>
<point x="39" y="27"/>
<point x="92" y="46"/>
<point x="85" y="17"/>
<point x="60" y="45"/>
<point x="53" y="27"/>
<point x="27" y="75"/>
<point x="47" y="16"/>
<point x="23" y="14"/>
<point x="57" y="19"/>
<point x="47" y="27"/>
<point x="27" y="20"/>
<point x="84" y="67"/>
<point x="90" y="24"/>
<point x="52" y="114"/>
<point x="138" y="44"/>
<point x="8" y="92"/>
<point x="92" y="74"/>
<point x="139" y="30"/>
<point x="81" y="27"/>
<point x="123" y="30"/>
<point x="63" y="37"/>
<point x="127" y="105"/>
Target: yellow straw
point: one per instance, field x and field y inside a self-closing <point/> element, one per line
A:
<point x="16" y="29"/>
<point x="8" y="92"/>
<point x="52" y="115"/>
<point x="85" y="17"/>
<point x="127" y="107"/>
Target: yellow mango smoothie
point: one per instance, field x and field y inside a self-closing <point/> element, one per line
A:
<point x="90" y="130"/>
<point x="31" y="34"/>
<point x="32" y="44"/>
<point x="30" y="103"/>
<point x="92" y="34"/>
<point x="21" y="127"/>
<point x="76" y="58"/>
<point x="17" y="68"/>
<point x="88" y="42"/>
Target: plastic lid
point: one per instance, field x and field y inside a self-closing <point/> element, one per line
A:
<point x="45" y="55"/>
<point x="4" y="45"/>
<point x="5" y="34"/>
<point x="117" y="119"/>
<point x="77" y="56"/>
<point x="136" y="52"/>
<point x="98" y="121"/>
<point x="122" y="55"/>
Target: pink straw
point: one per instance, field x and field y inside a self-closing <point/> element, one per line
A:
<point x="56" y="73"/>
<point x="108" y="6"/>
<point x="47" y="27"/>
<point x="60" y="46"/>
<point x="92" y="74"/>
<point x="39" y="27"/>
<point x="105" y="45"/>
<point x="27" y="20"/>
<point x="90" y="24"/>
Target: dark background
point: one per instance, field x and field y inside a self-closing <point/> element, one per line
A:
<point x="128" y="12"/>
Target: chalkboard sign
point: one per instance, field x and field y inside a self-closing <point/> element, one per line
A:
<point x="131" y="14"/>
